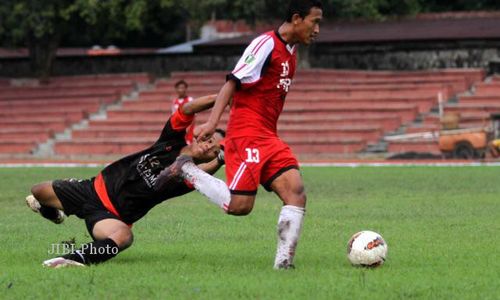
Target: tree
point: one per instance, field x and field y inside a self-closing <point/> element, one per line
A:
<point x="459" y="5"/>
<point x="139" y="23"/>
<point x="40" y="25"/>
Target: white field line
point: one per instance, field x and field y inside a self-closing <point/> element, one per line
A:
<point x="51" y="165"/>
<point x="403" y="164"/>
<point x="322" y="164"/>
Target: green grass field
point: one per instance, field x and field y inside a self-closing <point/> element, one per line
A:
<point x="442" y="226"/>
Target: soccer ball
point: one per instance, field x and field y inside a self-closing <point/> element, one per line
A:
<point x="367" y="249"/>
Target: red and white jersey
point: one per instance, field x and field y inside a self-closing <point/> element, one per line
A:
<point x="263" y="74"/>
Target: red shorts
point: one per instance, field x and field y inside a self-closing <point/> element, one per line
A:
<point x="251" y="161"/>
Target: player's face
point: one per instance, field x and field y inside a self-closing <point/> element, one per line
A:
<point x="206" y="151"/>
<point x="307" y="29"/>
<point x="181" y="90"/>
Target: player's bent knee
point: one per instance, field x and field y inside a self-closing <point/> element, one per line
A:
<point x="241" y="205"/>
<point x="40" y="191"/>
<point x="302" y="196"/>
<point x="114" y="229"/>
<point x="124" y="238"/>
<point x="296" y="197"/>
<point x="36" y="190"/>
<point x="239" y="211"/>
<point x="301" y="199"/>
<point x="299" y="191"/>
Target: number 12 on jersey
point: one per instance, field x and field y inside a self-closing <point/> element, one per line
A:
<point x="252" y="155"/>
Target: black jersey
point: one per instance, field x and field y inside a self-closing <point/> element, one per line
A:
<point x="129" y="182"/>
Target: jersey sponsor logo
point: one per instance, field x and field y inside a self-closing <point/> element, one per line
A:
<point x="286" y="69"/>
<point x="285" y="81"/>
<point x="146" y="168"/>
<point x="285" y="84"/>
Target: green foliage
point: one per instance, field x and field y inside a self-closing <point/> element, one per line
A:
<point x="376" y="9"/>
<point x="160" y="22"/>
<point x="40" y="19"/>
<point x="372" y="9"/>
<point x="43" y="25"/>
<point x="139" y="23"/>
<point x="111" y="19"/>
<point x="459" y="5"/>
<point x="441" y="225"/>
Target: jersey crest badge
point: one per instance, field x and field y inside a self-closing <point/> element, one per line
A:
<point x="249" y="59"/>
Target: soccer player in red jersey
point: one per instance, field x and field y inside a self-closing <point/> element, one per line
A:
<point x="181" y="87"/>
<point x="125" y="190"/>
<point x="254" y="154"/>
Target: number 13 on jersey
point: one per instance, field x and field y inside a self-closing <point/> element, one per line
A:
<point x="252" y="155"/>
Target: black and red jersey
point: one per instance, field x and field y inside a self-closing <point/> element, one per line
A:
<point x="126" y="187"/>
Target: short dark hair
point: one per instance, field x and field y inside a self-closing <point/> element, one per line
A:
<point x="181" y="82"/>
<point x="302" y="8"/>
<point x="221" y="132"/>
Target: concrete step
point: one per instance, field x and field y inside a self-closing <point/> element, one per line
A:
<point x="114" y="147"/>
<point x="64" y="117"/>
<point x="387" y="123"/>
<point x="37" y="137"/>
<point x="472" y="108"/>
<point x="366" y="133"/>
<point x="56" y="102"/>
<point x="56" y="125"/>
<point x="423" y="104"/>
<point x="64" y="92"/>
<point x="331" y="93"/>
<point x="51" y="110"/>
<point x="458" y="80"/>
<point x="16" y="147"/>
<point x="423" y="146"/>
<point x="480" y="100"/>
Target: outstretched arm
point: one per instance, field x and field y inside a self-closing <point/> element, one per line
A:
<point x="184" y="116"/>
<point x="199" y="104"/>
<point x="206" y="130"/>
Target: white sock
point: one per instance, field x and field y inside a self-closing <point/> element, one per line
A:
<point x="289" y="227"/>
<point x="211" y="187"/>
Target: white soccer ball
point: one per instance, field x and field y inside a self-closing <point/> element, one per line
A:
<point x="367" y="248"/>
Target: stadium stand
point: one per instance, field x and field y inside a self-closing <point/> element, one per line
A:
<point x="31" y="114"/>
<point x="472" y="107"/>
<point x="328" y="113"/>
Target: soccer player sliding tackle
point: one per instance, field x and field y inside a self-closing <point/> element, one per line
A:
<point x="125" y="190"/>
<point x="254" y="154"/>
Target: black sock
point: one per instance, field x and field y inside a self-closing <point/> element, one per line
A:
<point x="49" y="212"/>
<point x="95" y="252"/>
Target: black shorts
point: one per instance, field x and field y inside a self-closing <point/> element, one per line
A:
<point x="79" y="198"/>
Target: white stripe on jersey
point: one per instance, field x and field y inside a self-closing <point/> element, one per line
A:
<point x="249" y="67"/>
<point x="252" y="49"/>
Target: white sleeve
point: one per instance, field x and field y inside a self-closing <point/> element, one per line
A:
<point x="249" y="68"/>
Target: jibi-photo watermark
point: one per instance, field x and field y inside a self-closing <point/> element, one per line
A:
<point x="59" y="249"/>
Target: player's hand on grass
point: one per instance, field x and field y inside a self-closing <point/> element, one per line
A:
<point x="204" y="131"/>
